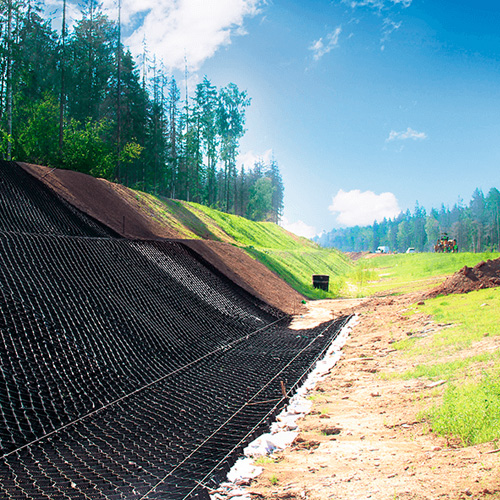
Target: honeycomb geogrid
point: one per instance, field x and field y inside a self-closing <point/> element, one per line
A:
<point x="128" y="369"/>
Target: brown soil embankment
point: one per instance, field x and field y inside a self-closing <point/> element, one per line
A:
<point x="121" y="210"/>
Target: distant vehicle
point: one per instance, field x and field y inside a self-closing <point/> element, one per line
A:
<point x="444" y="244"/>
<point x="382" y="249"/>
<point x="411" y="250"/>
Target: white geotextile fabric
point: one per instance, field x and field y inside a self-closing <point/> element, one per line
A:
<point x="285" y="429"/>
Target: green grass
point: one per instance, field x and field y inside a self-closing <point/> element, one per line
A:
<point x="293" y="258"/>
<point x="274" y="480"/>
<point x="247" y="233"/>
<point x="168" y="212"/>
<point x="264" y="460"/>
<point x="358" y="280"/>
<point x="470" y="407"/>
<point x="449" y="370"/>
<point x="470" y="410"/>
<point x="296" y="267"/>
<point x="402" y="273"/>
<point x="473" y="315"/>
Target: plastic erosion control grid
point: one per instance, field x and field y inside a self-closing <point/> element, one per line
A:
<point x="128" y="369"/>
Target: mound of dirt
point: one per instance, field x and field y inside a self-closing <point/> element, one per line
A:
<point x="482" y="275"/>
<point x="117" y="208"/>
<point x="357" y="255"/>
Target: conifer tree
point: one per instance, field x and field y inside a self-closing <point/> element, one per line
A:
<point x="231" y="122"/>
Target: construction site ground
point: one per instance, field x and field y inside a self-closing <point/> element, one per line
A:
<point x="365" y="437"/>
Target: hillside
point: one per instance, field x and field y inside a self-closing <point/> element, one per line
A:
<point x="113" y="352"/>
<point x="256" y="255"/>
<point x="103" y="335"/>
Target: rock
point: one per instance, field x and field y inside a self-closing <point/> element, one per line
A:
<point x="331" y="431"/>
<point x="435" y="384"/>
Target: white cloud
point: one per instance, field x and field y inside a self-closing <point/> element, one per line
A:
<point x="194" y="30"/>
<point x="377" y="4"/>
<point x="381" y="7"/>
<point x="356" y="208"/>
<point x="409" y="133"/>
<point x="388" y="28"/>
<point x="300" y="228"/>
<point x="404" y="3"/>
<point x="250" y="158"/>
<point x="173" y="29"/>
<point x="320" y="47"/>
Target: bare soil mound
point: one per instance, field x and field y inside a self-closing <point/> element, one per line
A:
<point x="118" y="208"/>
<point x="112" y="204"/>
<point x="482" y="275"/>
<point x="357" y="255"/>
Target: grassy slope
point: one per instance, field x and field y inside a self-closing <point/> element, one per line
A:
<point x="465" y="355"/>
<point x="470" y="409"/>
<point x="293" y="258"/>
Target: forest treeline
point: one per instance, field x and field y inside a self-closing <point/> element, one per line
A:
<point x="76" y="99"/>
<point x="475" y="227"/>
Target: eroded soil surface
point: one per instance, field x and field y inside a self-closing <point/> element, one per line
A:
<point x="364" y="438"/>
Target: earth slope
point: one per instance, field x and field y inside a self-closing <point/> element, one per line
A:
<point x="120" y="209"/>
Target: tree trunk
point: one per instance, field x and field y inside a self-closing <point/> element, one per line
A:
<point x="9" y="80"/>
<point x="62" y="96"/>
<point x="118" y="94"/>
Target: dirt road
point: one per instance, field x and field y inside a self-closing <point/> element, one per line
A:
<point x="364" y="438"/>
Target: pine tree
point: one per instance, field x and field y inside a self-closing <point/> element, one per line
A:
<point x="62" y="90"/>
<point x="493" y="211"/>
<point x="278" y="191"/>
<point x="93" y="57"/>
<point x="206" y="103"/>
<point x="230" y="121"/>
<point x="173" y="138"/>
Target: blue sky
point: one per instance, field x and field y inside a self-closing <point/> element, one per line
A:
<point x="367" y="105"/>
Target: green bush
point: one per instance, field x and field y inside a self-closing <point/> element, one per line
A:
<point x="85" y="149"/>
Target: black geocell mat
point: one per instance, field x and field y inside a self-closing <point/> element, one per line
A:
<point x="129" y="370"/>
<point x="28" y="206"/>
